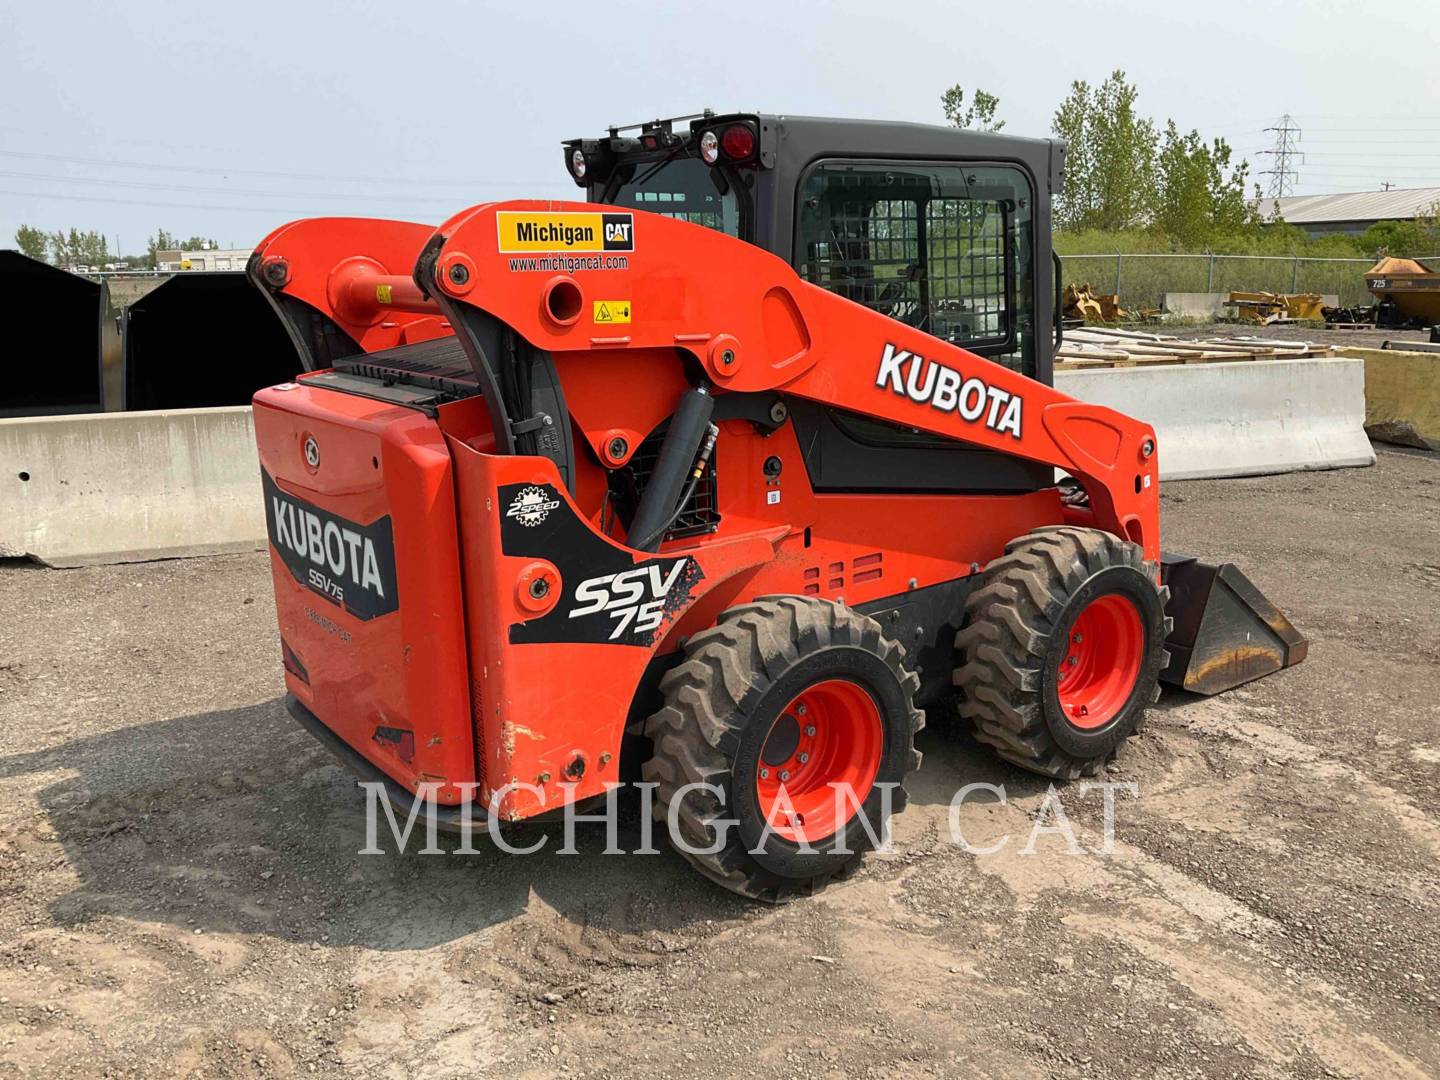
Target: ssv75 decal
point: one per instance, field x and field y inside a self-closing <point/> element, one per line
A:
<point x="635" y="599"/>
<point x="609" y="598"/>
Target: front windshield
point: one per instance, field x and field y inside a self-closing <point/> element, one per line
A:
<point x="686" y="189"/>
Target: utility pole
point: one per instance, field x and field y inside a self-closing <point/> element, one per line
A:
<point x="1286" y="154"/>
<point x="1387" y="185"/>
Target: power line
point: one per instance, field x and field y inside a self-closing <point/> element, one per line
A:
<point x="169" y="167"/>
<point x="272" y="210"/>
<point x="154" y="186"/>
<point x="1283" y="174"/>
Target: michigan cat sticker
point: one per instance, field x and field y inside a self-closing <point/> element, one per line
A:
<point x="521" y="231"/>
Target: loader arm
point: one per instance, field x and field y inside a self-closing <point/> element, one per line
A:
<point x="756" y="327"/>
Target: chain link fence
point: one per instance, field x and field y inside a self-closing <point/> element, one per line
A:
<point x="1141" y="281"/>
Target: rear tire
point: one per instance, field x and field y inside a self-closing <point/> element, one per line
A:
<point x="1062" y="647"/>
<point x="773" y="680"/>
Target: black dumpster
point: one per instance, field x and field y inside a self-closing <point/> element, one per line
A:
<point x="51" y="353"/>
<point x="203" y="339"/>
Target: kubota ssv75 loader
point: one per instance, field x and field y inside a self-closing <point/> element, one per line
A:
<point x="719" y="478"/>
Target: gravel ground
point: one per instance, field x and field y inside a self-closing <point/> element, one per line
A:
<point x="182" y="894"/>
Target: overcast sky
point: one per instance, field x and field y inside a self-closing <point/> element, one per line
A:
<point x="225" y="119"/>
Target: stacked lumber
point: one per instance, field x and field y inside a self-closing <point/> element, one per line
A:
<point x="1097" y="348"/>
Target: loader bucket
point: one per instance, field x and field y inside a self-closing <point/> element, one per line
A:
<point x="201" y="340"/>
<point x="1226" y="632"/>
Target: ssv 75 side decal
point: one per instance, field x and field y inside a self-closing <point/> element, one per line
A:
<point x="634" y="599"/>
<point x="608" y="598"/>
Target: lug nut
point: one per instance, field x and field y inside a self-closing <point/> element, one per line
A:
<point x="1074" y="660"/>
<point x="804" y="758"/>
<point x="784" y="775"/>
<point x="810" y="730"/>
<point x="800" y="709"/>
<point x="764" y="774"/>
<point x="1077" y="639"/>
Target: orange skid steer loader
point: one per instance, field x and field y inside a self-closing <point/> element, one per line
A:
<point x="722" y="478"/>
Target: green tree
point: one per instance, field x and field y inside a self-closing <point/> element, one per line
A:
<point x="979" y="115"/>
<point x="1110" y="163"/>
<point x="32" y="241"/>
<point x="161" y="241"/>
<point x="1419" y="236"/>
<point x="76" y="248"/>
<point x="1199" y="194"/>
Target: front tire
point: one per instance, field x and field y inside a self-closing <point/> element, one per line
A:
<point x="1062" y="648"/>
<point x="787" y="692"/>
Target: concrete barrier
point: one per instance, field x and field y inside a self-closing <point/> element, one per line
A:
<point x="1247" y="418"/>
<point x="124" y="487"/>
<point x="1402" y="396"/>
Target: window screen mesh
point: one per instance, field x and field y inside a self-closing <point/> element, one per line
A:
<point x="940" y="249"/>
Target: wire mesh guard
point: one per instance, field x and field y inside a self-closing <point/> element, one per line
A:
<point x="933" y="262"/>
<point x="697" y="517"/>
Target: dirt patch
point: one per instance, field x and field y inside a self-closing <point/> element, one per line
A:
<point x="182" y="894"/>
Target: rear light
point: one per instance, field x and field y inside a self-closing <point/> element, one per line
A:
<point x="577" y="164"/>
<point x="709" y="148"/>
<point x="738" y="142"/>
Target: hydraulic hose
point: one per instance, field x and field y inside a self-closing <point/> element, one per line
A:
<point x="667" y="485"/>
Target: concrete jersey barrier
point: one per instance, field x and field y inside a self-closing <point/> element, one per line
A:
<point x="1402" y="396"/>
<point x="123" y="487"/>
<point x="1247" y="418"/>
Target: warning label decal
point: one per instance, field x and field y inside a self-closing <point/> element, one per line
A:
<point x="612" y="311"/>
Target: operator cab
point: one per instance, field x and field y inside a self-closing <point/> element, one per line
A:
<point x="944" y="230"/>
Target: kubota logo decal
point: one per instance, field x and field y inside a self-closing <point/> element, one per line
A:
<point x="519" y="231"/>
<point x="350" y="565"/>
<point x="927" y="382"/>
<point x="634" y="599"/>
<point x="532" y="506"/>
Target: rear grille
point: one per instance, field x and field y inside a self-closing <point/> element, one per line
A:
<point x="699" y="515"/>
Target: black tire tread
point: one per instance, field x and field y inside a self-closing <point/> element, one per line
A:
<point x="1008" y="621"/>
<point x="727" y="668"/>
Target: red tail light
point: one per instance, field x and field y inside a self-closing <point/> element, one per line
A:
<point x="738" y="141"/>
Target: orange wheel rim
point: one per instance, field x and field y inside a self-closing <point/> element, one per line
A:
<point x="819" y="760"/>
<point x="1101" y="663"/>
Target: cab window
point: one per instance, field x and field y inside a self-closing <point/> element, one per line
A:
<point x="684" y="188"/>
<point x="941" y="248"/>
